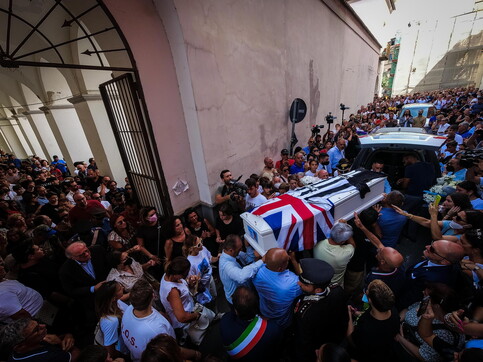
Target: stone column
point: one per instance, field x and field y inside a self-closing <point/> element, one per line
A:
<point x="44" y="134"/>
<point x="100" y="136"/>
<point x="68" y="132"/>
<point x="30" y="136"/>
<point x="13" y="139"/>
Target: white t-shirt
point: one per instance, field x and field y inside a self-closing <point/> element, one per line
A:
<point x="110" y="329"/>
<point x="254" y="202"/>
<point x="200" y="264"/>
<point x="338" y="256"/>
<point x="15" y="296"/>
<point x="186" y="299"/>
<point x="137" y="332"/>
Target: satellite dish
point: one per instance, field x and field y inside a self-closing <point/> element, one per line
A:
<point x="298" y="110"/>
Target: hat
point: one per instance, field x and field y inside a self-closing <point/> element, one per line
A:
<point x="315" y="271"/>
<point x="44" y="229"/>
<point x="284" y="152"/>
<point x="343" y="165"/>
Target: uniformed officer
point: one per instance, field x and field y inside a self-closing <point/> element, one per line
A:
<point x="320" y="315"/>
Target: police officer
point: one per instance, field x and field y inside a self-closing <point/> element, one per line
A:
<point x="320" y="315"/>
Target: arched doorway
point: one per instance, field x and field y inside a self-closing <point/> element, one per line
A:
<point x="55" y="54"/>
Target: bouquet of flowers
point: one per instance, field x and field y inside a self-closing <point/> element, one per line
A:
<point x="444" y="186"/>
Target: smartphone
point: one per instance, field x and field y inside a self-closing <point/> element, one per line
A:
<point x="423" y="306"/>
<point x="437" y="199"/>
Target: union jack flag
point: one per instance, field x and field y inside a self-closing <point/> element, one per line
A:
<point x="296" y="224"/>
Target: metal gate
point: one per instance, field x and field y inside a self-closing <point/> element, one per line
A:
<point x="135" y="140"/>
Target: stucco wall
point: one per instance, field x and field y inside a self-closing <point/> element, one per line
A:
<point x="248" y="61"/>
<point x="224" y="95"/>
<point x="145" y="34"/>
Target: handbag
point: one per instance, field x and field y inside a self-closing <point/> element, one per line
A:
<point x="198" y="328"/>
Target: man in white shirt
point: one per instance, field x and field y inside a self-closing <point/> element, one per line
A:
<point x="232" y="274"/>
<point x="140" y="322"/>
<point x="18" y="301"/>
<point x="253" y="198"/>
<point x="337" y="250"/>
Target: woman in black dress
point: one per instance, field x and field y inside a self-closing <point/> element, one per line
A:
<point x="202" y="228"/>
<point x="148" y="236"/>
<point x="228" y="223"/>
<point x="175" y="236"/>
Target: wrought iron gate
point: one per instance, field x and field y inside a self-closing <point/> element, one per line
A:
<point x="135" y="140"/>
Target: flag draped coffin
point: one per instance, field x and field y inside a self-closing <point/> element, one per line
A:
<point x="302" y="217"/>
<point x="295" y="223"/>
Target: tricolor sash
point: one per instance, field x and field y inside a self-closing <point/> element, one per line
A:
<point x="248" y="339"/>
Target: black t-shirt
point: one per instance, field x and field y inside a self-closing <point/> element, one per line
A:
<point x="374" y="339"/>
<point x="235" y="227"/>
<point x="150" y="235"/>
<point x="421" y="175"/>
<point x="364" y="252"/>
<point x="43" y="277"/>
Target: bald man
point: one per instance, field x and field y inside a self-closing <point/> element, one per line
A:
<point x="389" y="269"/>
<point x="81" y="275"/>
<point x="277" y="286"/>
<point x="441" y="263"/>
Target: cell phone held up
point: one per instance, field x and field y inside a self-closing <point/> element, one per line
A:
<point x="423" y="306"/>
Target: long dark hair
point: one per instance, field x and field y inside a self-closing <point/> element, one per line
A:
<point x="105" y="300"/>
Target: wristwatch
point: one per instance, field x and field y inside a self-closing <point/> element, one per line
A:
<point x="476" y="268"/>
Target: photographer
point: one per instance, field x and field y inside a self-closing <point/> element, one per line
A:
<point x="228" y="193"/>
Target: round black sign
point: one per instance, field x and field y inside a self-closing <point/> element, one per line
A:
<point x="298" y="109"/>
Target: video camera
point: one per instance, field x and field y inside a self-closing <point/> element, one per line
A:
<point x="316" y="129"/>
<point x="330" y="118"/>
<point x="237" y="189"/>
<point x="343" y="107"/>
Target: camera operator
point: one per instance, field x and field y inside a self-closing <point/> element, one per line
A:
<point x="227" y="193"/>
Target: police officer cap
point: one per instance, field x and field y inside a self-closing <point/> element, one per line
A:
<point x="315" y="271"/>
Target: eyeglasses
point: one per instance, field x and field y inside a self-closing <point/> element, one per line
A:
<point x="120" y="222"/>
<point x="433" y="251"/>
<point x="199" y="245"/>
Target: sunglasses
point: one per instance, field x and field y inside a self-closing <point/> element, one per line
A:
<point x="433" y="251"/>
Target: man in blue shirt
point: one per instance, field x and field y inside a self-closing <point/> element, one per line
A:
<point x="60" y="164"/>
<point x="298" y="165"/>
<point x="378" y="166"/>
<point x="454" y="169"/>
<point x="232" y="274"/>
<point x="337" y="152"/>
<point x="390" y="222"/>
<point x="277" y="287"/>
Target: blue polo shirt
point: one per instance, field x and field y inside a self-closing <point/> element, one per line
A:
<point x="296" y="169"/>
<point x="277" y="291"/>
<point x="391" y="224"/>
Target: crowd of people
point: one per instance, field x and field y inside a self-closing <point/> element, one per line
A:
<point x="86" y="274"/>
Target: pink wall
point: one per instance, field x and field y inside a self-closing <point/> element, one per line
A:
<point x="145" y="34"/>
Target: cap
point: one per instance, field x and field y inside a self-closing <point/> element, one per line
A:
<point x="315" y="271"/>
<point x="284" y="152"/>
<point x="44" y="229"/>
<point x="343" y="165"/>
